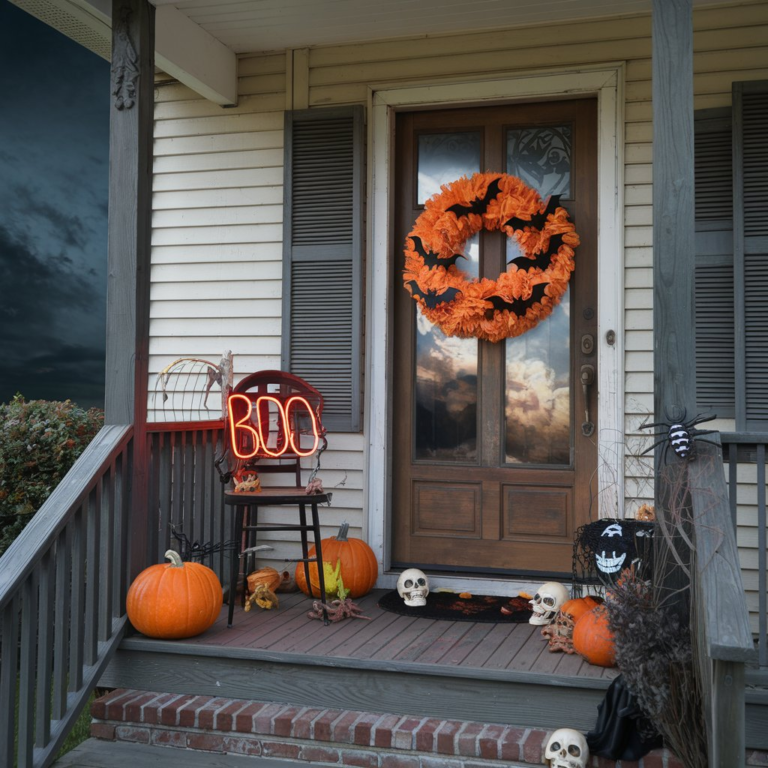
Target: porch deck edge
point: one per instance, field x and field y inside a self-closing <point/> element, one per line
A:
<point x="346" y="662"/>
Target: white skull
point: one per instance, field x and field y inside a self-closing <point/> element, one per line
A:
<point x="567" y="748"/>
<point x="546" y="603"/>
<point x="413" y="587"/>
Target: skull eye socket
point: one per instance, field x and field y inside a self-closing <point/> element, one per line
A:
<point x="555" y="746"/>
<point x="537" y="598"/>
<point x="549" y="602"/>
<point x="408" y="583"/>
<point x="574" y="750"/>
<point x="421" y="582"/>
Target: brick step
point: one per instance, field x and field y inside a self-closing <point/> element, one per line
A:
<point x="324" y="736"/>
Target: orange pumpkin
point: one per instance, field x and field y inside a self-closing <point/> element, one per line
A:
<point x="577" y="607"/>
<point x="174" y="600"/>
<point x="359" y="568"/>
<point x="593" y="640"/>
<point x="268" y="576"/>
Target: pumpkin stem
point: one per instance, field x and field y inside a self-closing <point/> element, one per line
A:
<point x="174" y="558"/>
<point x="343" y="531"/>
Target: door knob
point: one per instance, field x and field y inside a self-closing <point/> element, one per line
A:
<point x="587" y="380"/>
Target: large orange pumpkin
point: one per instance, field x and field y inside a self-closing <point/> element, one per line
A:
<point x="359" y="568"/>
<point x="174" y="600"/>
<point x="593" y="640"/>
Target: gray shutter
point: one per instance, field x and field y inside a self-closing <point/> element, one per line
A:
<point x="323" y="257"/>
<point x="750" y="210"/>
<point x="715" y="379"/>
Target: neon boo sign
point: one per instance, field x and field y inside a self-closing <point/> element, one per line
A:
<point x="247" y="435"/>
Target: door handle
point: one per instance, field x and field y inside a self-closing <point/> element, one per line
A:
<point x="587" y="380"/>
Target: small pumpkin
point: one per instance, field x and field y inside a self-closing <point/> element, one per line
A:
<point x="593" y="640"/>
<point x="577" y="607"/>
<point x="359" y="568"/>
<point x="174" y="600"/>
<point x="267" y="576"/>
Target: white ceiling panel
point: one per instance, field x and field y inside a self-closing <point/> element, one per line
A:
<point x="260" y="25"/>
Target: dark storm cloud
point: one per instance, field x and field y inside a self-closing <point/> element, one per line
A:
<point x="68" y="227"/>
<point x="54" y="138"/>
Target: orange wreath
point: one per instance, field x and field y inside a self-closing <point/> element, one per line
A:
<point x="519" y="298"/>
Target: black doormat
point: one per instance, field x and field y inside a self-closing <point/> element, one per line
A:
<point x="448" y="606"/>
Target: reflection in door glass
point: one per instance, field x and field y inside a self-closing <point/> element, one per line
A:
<point x="446" y="395"/>
<point x="538" y="400"/>
<point x="446" y="368"/>
<point x="445" y="157"/>
<point x="538" y="394"/>
<point x="541" y="157"/>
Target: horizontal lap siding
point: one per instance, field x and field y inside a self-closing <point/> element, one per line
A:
<point x="217" y="255"/>
<point x="231" y="169"/>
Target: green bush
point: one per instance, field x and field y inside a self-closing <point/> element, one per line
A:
<point x="39" y="442"/>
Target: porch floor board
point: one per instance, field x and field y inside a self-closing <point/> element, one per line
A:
<point x="391" y="637"/>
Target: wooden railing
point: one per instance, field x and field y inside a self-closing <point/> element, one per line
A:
<point x="748" y="449"/>
<point x="62" y="601"/>
<point x="723" y="640"/>
<point x="185" y="491"/>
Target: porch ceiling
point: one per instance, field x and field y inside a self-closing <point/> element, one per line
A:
<point x="247" y="26"/>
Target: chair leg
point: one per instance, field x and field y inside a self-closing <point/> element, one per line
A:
<point x="235" y="562"/>
<point x="305" y="546"/>
<point x="251" y="539"/>
<point x="319" y="555"/>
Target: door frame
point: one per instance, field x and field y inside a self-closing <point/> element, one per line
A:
<point x="606" y="83"/>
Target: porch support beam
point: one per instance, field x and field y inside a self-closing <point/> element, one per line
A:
<point x="130" y="186"/>
<point x="674" y="356"/>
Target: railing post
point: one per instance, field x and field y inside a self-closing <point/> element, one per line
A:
<point x="728" y="714"/>
<point x="130" y="207"/>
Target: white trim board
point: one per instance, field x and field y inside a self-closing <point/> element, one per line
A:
<point x="605" y="82"/>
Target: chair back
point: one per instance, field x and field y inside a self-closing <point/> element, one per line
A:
<point x="274" y="415"/>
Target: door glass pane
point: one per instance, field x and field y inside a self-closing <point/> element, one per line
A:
<point x="445" y="157"/>
<point x="538" y="381"/>
<point x="541" y="157"/>
<point x="446" y="395"/>
<point x="446" y="368"/>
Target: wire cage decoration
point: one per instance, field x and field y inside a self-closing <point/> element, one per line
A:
<point x="191" y="389"/>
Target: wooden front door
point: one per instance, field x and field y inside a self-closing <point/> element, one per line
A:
<point x="493" y="469"/>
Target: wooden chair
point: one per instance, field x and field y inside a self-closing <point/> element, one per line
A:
<point x="274" y="420"/>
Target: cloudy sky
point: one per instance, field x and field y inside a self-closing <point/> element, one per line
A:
<point x="54" y="144"/>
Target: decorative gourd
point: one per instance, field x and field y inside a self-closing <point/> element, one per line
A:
<point x="359" y="568"/>
<point x="176" y="600"/>
<point x="268" y="576"/>
<point x="593" y="640"/>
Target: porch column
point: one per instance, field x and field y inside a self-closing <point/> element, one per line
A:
<point x="130" y="184"/>
<point x="674" y="356"/>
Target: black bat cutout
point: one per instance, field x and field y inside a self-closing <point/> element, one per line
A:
<point x="432" y="298"/>
<point x="432" y="259"/>
<point x="479" y="204"/>
<point x="538" y="219"/>
<point x="542" y="260"/>
<point x="519" y="306"/>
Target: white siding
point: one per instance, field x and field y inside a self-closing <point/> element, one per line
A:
<point x="218" y="193"/>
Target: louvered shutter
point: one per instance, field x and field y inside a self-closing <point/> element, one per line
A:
<point x="323" y="257"/>
<point x="750" y="167"/>
<point x="715" y="377"/>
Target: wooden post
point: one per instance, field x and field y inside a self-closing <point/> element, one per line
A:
<point x="674" y="356"/>
<point x="130" y="186"/>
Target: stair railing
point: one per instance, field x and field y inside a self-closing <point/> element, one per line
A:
<point x="62" y="601"/>
<point x="723" y="639"/>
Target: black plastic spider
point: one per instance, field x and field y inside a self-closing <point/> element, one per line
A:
<point x="681" y="436"/>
